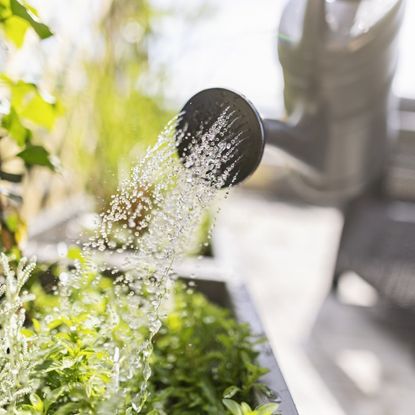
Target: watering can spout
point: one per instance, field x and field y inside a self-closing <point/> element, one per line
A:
<point x="301" y="140"/>
<point x="245" y="129"/>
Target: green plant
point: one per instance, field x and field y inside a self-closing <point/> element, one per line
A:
<point x="201" y="351"/>
<point x="244" y="409"/>
<point x="66" y="350"/>
<point x="15" y="362"/>
<point x="24" y="115"/>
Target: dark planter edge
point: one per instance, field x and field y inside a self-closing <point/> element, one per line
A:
<point x="235" y="296"/>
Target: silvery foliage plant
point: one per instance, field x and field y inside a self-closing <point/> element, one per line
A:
<point x="16" y="349"/>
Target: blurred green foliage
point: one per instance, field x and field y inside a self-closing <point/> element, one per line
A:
<point x="114" y="118"/>
<point x="202" y="244"/>
<point x="25" y="112"/>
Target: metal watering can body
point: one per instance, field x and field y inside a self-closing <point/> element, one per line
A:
<point x="338" y="59"/>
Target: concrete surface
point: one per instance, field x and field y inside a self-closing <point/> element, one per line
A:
<point x="341" y="355"/>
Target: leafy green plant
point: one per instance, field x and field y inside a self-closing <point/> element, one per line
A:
<point x="15" y="362"/>
<point x="244" y="409"/>
<point x="64" y="363"/>
<point x="200" y="351"/>
<point x="25" y="112"/>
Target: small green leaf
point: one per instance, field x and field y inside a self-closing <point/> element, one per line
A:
<point x="38" y="110"/>
<point x="231" y="392"/>
<point x="53" y="395"/>
<point x="30" y="104"/>
<point x="21" y="11"/>
<point x="233" y="407"/>
<point x="36" y="156"/>
<point x="246" y="409"/>
<point x="267" y="409"/>
<point x="15" y="30"/>
<point x="36" y="325"/>
<point x="46" y="364"/>
<point x="75" y="253"/>
<point x="23" y="410"/>
<point x="12" y="221"/>
<point x="17" y="131"/>
<point x="69" y="408"/>
<point x="55" y="323"/>
<point x="27" y="332"/>
<point x="36" y="402"/>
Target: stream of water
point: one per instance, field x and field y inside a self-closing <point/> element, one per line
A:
<point x="151" y="221"/>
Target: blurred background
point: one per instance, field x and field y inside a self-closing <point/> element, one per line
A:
<point x="119" y="70"/>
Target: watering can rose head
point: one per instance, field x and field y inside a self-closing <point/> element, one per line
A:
<point x="219" y="134"/>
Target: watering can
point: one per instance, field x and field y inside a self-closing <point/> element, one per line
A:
<point x="353" y="140"/>
<point x="338" y="59"/>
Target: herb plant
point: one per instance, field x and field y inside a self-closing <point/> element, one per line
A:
<point x="15" y="361"/>
<point x="55" y="357"/>
<point x="199" y="353"/>
<point x="244" y="409"/>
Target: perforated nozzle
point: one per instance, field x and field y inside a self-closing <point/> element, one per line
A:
<point x="243" y="131"/>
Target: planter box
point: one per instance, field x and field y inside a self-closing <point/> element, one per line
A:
<point x="232" y="295"/>
<point x="236" y="298"/>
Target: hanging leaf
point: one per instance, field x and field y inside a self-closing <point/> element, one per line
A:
<point x="230" y="392"/>
<point x="30" y="104"/>
<point x="36" y="156"/>
<point x="39" y="111"/>
<point x="24" y="13"/>
<point x="15" y="30"/>
<point x="16" y="18"/>
<point x="17" y="131"/>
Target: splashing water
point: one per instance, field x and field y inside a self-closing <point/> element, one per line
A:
<point x="153" y="217"/>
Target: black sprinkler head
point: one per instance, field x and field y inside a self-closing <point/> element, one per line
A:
<point x="243" y="131"/>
